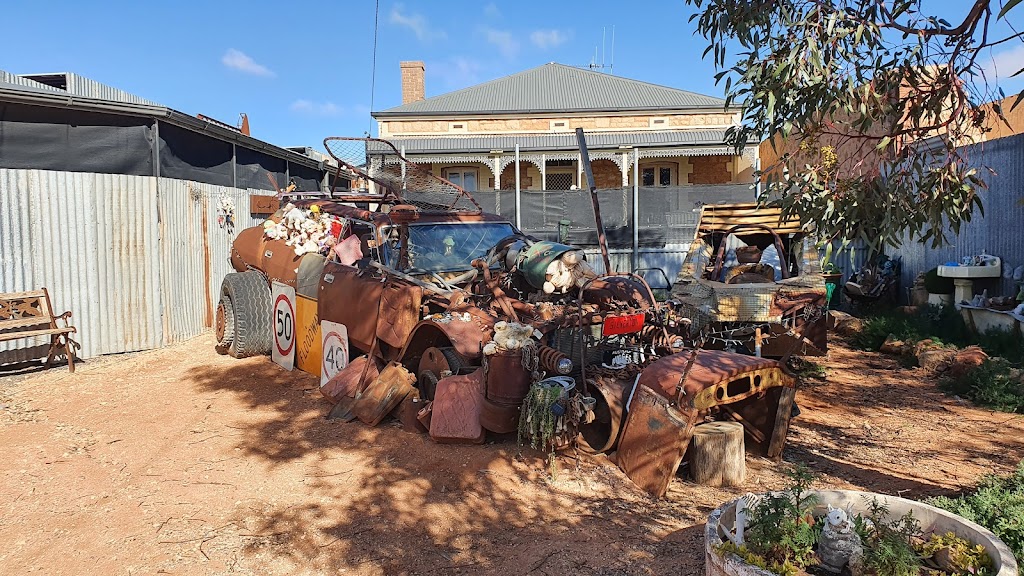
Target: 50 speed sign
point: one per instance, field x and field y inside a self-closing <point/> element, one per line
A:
<point x="282" y="324"/>
<point x="335" y="349"/>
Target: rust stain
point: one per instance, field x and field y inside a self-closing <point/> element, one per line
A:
<point x="208" y="319"/>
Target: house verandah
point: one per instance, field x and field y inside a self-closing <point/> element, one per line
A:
<point x="562" y="169"/>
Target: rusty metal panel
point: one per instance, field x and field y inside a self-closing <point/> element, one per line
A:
<point x="654" y="439"/>
<point x="88" y="238"/>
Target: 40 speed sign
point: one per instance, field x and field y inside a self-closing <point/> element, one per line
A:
<point x="335" y="350"/>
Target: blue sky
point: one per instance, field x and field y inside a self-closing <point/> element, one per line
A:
<point x="302" y="70"/>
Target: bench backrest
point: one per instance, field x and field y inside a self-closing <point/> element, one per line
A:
<point x="23" y="309"/>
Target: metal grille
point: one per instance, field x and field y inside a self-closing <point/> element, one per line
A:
<point x="411" y="183"/>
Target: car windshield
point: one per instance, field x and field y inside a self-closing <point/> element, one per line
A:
<point x="453" y="246"/>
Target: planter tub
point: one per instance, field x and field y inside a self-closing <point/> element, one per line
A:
<point x="932" y="519"/>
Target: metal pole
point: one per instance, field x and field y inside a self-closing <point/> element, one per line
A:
<point x="156" y="149"/>
<point x="402" y="164"/>
<point x="519" y="223"/>
<point x="585" y="164"/>
<point x="757" y="181"/>
<point x="636" y="209"/>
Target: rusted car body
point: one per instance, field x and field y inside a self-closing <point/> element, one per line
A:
<point x="773" y="309"/>
<point x="437" y="281"/>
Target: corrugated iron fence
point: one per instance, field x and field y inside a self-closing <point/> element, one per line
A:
<point x="998" y="231"/>
<point x="137" y="259"/>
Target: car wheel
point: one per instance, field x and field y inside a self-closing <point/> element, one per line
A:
<point x="245" y="301"/>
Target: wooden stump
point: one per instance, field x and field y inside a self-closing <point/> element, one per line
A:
<point x="717" y="456"/>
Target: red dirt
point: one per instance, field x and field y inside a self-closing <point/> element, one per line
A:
<point x="180" y="461"/>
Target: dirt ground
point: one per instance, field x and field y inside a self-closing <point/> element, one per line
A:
<point x="180" y="461"/>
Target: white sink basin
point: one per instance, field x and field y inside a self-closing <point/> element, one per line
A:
<point x="993" y="271"/>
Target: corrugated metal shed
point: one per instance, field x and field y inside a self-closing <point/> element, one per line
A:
<point x="562" y="141"/>
<point x="556" y="88"/>
<point x="137" y="259"/>
<point x="998" y="232"/>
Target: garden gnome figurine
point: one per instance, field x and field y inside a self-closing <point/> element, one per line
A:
<point x="839" y="544"/>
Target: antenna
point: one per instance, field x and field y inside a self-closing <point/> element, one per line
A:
<point x="610" y="67"/>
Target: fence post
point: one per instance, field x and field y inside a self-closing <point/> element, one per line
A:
<point x="519" y="223"/>
<point x="636" y="209"/>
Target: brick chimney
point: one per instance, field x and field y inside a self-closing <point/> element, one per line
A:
<point x="412" y="81"/>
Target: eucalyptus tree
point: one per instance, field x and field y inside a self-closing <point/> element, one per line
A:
<point x="869" y="104"/>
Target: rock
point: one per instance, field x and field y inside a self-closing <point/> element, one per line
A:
<point x="893" y="345"/>
<point x="844" y="323"/>
<point x="933" y="356"/>
<point x="966" y="360"/>
<point x="935" y="359"/>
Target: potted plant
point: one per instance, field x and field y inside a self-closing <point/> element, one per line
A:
<point x="940" y="289"/>
<point x="800" y="531"/>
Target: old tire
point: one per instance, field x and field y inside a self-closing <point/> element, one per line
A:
<point x="245" y="304"/>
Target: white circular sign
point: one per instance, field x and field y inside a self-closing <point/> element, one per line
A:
<point x="335" y="353"/>
<point x="284" y="325"/>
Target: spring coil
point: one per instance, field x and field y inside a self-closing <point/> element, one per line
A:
<point x="550" y="357"/>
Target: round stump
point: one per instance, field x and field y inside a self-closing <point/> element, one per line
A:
<point x="717" y="457"/>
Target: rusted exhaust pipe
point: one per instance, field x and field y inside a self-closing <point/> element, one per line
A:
<point x="602" y="434"/>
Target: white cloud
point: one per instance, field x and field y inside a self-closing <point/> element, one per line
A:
<point x="1005" y="64"/>
<point x="491" y="10"/>
<point x="545" y="39"/>
<point x="506" y="43"/>
<point x="457" y="72"/>
<point x="238" y="60"/>
<point x="304" y="106"/>
<point x="416" y="22"/>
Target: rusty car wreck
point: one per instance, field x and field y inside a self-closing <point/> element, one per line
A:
<point x="453" y="315"/>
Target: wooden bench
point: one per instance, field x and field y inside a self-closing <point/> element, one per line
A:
<point x="29" y="314"/>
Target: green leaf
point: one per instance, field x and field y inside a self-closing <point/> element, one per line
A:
<point x="1007" y="7"/>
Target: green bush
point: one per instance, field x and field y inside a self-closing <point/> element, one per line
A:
<point x="997" y="504"/>
<point x="995" y="384"/>
<point x="944" y="325"/>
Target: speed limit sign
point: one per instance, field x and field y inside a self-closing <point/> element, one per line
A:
<point x="283" y="325"/>
<point x="335" y="349"/>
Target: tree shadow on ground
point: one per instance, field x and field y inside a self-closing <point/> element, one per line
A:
<point x="395" y="502"/>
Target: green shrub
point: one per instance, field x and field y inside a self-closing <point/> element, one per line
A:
<point x="888" y="544"/>
<point x="995" y="384"/>
<point x="997" y="504"/>
<point x="779" y="530"/>
<point x="944" y="325"/>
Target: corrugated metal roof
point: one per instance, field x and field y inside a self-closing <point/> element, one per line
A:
<point x="560" y="141"/>
<point x="81" y="86"/>
<point x="24" y="93"/>
<point x="555" y="88"/>
<point x="13" y="80"/>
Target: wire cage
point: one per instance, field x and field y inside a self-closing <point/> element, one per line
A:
<point x="378" y="161"/>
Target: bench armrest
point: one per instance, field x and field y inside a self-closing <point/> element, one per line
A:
<point x="65" y="317"/>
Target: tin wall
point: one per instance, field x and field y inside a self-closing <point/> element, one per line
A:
<point x="137" y="259"/>
<point x="997" y="232"/>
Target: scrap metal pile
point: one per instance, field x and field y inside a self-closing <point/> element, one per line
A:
<point x="452" y="320"/>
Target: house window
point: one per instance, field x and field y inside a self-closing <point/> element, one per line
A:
<point x="559" y="181"/>
<point x="463" y="177"/>
<point x="456" y="126"/>
<point x="658" y="122"/>
<point x="559" y="126"/>
<point x="662" y="174"/>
